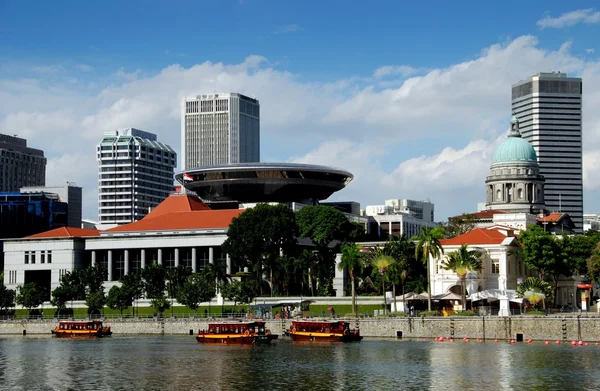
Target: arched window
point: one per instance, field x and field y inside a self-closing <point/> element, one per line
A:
<point x="520" y="194"/>
<point x="498" y="195"/>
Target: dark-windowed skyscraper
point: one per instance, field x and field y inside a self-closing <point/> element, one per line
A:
<point x="548" y="106"/>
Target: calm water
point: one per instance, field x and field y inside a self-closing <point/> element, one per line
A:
<point x="179" y="363"/>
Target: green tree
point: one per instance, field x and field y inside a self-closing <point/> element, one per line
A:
<point x="94" y="277"/>
<point x="154" y="280"/>
<point x="459" y="225"/>
<point x="240" y="292"/>
<point x="352" y="261"/>
<point x="402" y="250"/>
<point x="95" y="302"/>
<point x="461" y="262"/>
<point x="119" y="299"/>
<point x="534" y="290"/>
<point x="593" y="264"/>
<point x="7" y="298"/>
<point x="258" y="236"/>
<point x="197" y="289"/>
<point x="540" y="250"/>
<point x="30" y="295"/>
<point x="160" y="303"/>
<point x="60" y="296"/>
<point x="176" y="277"/>
<point x="382" y="263"/>
<point x="428" y="244"/>
<point x="133" y="284"/>
<point x="328" y="229"/>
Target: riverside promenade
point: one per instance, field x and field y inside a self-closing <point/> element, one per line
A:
<point x="564" y="328"/>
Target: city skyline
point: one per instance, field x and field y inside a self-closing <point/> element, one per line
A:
<point x="409" y="118"/>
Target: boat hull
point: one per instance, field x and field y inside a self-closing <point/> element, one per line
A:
<point x="323" y="337"/>
<point x="236" y="339"/>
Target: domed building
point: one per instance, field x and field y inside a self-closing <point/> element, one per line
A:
<point x="515" y="184"/>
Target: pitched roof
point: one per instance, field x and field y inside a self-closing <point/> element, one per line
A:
<point x="484" y="214"/>
<point x="477" y="236"/>
<point x="66" y="232"/>
<point x="551" y="218"/>
<point x="176" y="221"/>
<point x="177" y="203"/>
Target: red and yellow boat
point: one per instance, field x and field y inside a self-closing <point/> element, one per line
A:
<point x="244" y="333"/>
<point x="85" y="328"/>
<point x="327" y="331"/>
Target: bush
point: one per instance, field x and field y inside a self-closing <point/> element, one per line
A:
<point x="429" y="313"/>
<point x="535" y="312"/>
<point x="465" y="313"/>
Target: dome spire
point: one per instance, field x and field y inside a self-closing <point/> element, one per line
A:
<point x="514" y="127"/>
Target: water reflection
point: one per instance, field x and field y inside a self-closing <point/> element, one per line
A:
<point x="176" y="363"/>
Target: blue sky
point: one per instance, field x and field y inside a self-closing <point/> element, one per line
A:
<point x="412" y="98"/>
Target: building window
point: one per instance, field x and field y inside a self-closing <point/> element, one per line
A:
<point x="26" y="257"/>
<point x="495" y="266"/>
<point x="498" y="195"/>
<point x="49" y="256"/>
<point x="32" y="257"/>
<point x="520" y="194"/>
<point x="42" y="257"/>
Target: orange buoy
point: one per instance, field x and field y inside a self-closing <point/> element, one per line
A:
<point x="496" y="340"/>
<point x="547" y="342"/>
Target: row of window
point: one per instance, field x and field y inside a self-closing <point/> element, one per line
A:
<point x="45" y="257"/>
<point x="12" y="277"/>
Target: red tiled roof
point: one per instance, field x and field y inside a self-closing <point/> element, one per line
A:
<point x="66" y="232"/>
<point x="477" y="236"/>
<point x="177" y="203"/>
<point x="175" y="221"/>
<point x="551" y="218"/>
<point x="484" y="214"/>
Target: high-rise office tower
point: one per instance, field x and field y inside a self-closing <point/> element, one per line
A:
<point x="20" y="165"/>
<point x="548" y="106"/>
<point x="219" y="129"/>
<point x="135" y="174"/>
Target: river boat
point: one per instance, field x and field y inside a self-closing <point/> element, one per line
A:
<point x="79" y="328"/>
<point x="241" y="333"/>
<point x="323" y="330"/>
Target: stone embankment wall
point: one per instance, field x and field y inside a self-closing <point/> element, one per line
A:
<point x="536" y="328"/>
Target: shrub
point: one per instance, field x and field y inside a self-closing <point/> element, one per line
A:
<point x="429" y="313"/>
<point x="465" y="313"/>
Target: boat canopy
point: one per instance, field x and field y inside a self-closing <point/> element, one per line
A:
<point x="496" y="294"/>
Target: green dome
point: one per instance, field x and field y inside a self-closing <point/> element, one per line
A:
<point x="515" y="149"/>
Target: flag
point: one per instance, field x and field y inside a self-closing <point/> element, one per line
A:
<point x="187" y="177"/>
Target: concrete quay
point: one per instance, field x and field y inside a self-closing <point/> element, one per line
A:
<point x="564" y="328"/>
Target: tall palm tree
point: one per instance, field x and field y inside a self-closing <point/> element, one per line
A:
<point x="382" y="263"/>
<point x="461" y="262"/>
<point x="399" y="248"/>
<point x="352" y="261"/>
<point x="428" y="244"/>
<point x="534" y="290"/>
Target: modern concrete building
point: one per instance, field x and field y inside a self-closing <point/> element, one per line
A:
<point x="135" y="174"/>
<point x="548" y="106"/>
<point x="219" y="129"/>
<point x="399" y="217"/>
<point x="20" y="165"/>
<point x="515" y="184"/>
<point x="70" y="193"/>
<point x="591" y="221"/>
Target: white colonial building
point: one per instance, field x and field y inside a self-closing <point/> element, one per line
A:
<point x="180" y="231"/>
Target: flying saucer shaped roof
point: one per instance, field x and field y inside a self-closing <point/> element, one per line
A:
<point x="265" y="182"/>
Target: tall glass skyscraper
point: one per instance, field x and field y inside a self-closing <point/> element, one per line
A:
<point x="548" y="106"/>
<point x="219" y="129"/>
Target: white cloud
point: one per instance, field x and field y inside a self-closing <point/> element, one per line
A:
<point x="568" y="19"/>
<point x="590" y="51"/>
<point x="84" y="67"/>
<point x="390" y="70"/>
<point x="413" y="138"/>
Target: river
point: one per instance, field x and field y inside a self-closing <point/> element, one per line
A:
<point x="180" y="363"/>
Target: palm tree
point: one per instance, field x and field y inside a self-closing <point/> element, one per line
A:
<point x="352" y="261"/>
<point x="382" y="263"/>
<point x="428" y="244"/>
<point x="534" y="290"/>
<point x="461" y="262"/>
<point x="400" y="249"/>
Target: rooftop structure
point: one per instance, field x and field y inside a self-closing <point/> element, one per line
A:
<point x="265" y="182"/>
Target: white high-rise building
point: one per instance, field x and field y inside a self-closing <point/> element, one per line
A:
<point x="219" y="129"/>
<point x="135" y="174"/>
<point x="548" y="106"/>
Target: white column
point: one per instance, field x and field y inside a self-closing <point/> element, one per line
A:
<point x="211" y="255"/>
<point x="93" y="258"/>
<point x="194" y="268"/>
<point x="228" y="262"/>
<point x="126" y="261"/>
<point x="159" y="260"/>
<point x="338" y="279"/>
<point x="110" y="265"/>
<point x="143" y="256"/>
<point x="502" y="278"/>
<point x="176" y="257"/>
